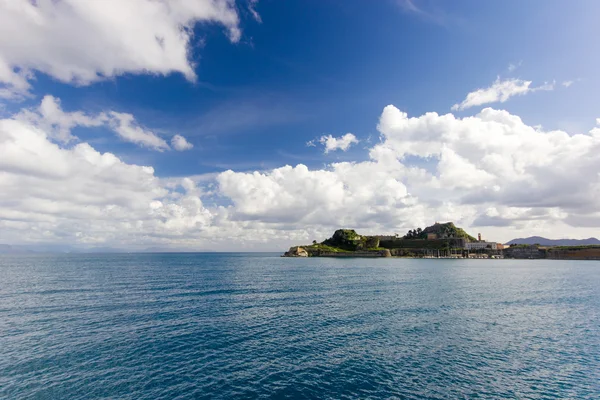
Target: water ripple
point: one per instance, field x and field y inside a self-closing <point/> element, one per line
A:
<point x="179" y="326"/>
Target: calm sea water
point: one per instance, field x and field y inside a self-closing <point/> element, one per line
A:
<point x="223" y="326"/>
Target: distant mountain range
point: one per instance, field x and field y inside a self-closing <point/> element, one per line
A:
<point x="555" y="242"/>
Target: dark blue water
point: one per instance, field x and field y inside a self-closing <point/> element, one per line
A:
<point x="225" y="326"/>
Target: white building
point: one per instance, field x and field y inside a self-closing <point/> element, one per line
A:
<point x="482" y="245"/>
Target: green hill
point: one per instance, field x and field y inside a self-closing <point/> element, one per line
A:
<point x="442" y="231"/>
<point x="347" y="240"/>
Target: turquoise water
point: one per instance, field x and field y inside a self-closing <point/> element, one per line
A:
<point x="222" y="326"/>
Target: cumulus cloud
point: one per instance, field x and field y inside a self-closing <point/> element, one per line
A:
<point x="595" y="132"/>
<point x="81" y="196"/>
<point x="341" y="143"/>
<point x="58" y="123"/>
<point x="180" y="143"/>
<point x="346" y="194"/>
<point x="80" y="42"/>
<point x="509" y="162"/>
<point x="500" y="91"/>
<point x="490" y="170"/>
<point x="130" y="131"/>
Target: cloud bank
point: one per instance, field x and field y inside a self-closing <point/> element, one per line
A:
<point x="489" y="170"/>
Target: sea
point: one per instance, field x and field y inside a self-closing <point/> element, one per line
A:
<point x="258" y="326"/>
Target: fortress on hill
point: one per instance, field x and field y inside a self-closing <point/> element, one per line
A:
<point x="439" y="239"/>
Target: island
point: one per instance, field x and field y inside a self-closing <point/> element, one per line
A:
<point x="440" y="240"/>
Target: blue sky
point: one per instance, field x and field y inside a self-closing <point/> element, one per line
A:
<point x="305" y="69"/>
<point x="314" y="68"/>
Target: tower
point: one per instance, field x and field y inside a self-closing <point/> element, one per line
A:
<point x="479" y="237"/>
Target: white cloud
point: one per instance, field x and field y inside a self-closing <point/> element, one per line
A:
<point x="434" y="15"/>
<point x="500" y="91"/>
<point x="180" y="143"/>
<point x="567" y="83"/>
<point x="513" y="66"/>
<point x="81" y="196"/>
<point x="347" y="194"/>
<point x="129" y="130"/>
<point x="409" y="6"/>
<point x="341" y="143"/>
<point x="57" y="124"/>
<point x="595" y="132"/>
<point x="510" y="163"/>
<point x="252" y="8"/>
<point x="80" y="42"/>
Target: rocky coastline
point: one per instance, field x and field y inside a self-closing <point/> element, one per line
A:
<point x="298" y="251"/>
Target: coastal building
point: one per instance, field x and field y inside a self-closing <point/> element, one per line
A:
<point x="482" y="245"/>
<point x="431" y="236"/>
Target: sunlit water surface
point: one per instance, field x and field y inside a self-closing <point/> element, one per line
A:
<point x="223" y="326"/>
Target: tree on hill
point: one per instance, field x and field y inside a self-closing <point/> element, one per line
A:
<point x="414" y="234"/>
<point x="346" y="239"/>
<point x="447" y="230"/>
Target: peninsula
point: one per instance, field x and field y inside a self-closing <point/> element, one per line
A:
<point x="440" y="240"/>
